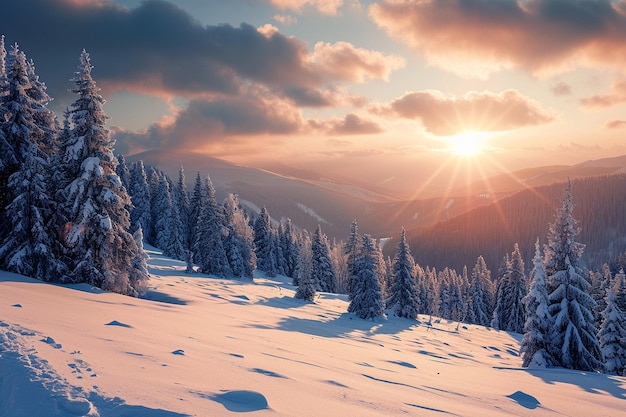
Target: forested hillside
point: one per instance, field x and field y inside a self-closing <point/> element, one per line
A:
<point x="492" y="230"/>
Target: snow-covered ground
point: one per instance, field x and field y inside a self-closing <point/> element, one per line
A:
<point x="205" y="346"/>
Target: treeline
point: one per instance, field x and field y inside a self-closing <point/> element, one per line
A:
<point x="523" y="217"/>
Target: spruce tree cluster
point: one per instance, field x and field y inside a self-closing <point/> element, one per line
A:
<point x="64" y="209"/>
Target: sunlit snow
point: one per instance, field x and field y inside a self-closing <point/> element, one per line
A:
<point x="205" y="346"/>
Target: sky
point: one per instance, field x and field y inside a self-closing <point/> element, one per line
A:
<point x="393" y="91"/>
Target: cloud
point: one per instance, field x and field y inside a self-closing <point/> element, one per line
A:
<point x="351" y="124"/>
<point x="160" y="49"/>
<point x="475" y="111"/>
<point x="329" y="7"/>
<point x="245" y="122"/>
<point x="480" y="37"/>
<point x="285" y="19"/>
<point x="341" y="60"/>
<point x="615" y="124"/>
<point x="615" y="97"/>
<point x="561" y="89"/>
<point x="216" y="123"/>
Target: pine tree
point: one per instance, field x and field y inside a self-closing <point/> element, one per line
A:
<point x="612" y="337"/>
<point x="46" y="135"/>
<point x="534" y="344"/>
<point x="321" y="266"/>
<point x="29" y="248"/>
<point x="304" y="276"/>
<point x="303" y="267"/>
<point x="209" y="252"/>
<point x="289" y="249"/>
<point x="168" y="228"/>
<point x="509" y="312"/>
<point x="480" y="308"/>
<point x="141" y="214"/>
<point x="240" y="240"/>
<point x="102" y="249"/>
<point x="181" y="201"/>
<point x="367" y="302"/>
<point x="197" y="201"/>
<point x="264" y="244"/>
<point x="351" y="250"/>
<point x="572" y="340"/>
<point x="404" y="300"/>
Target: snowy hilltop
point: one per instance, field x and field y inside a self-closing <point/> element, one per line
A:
<point x="198" y="345"/>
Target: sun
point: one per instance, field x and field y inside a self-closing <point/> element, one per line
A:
<point x="467" y="144"/>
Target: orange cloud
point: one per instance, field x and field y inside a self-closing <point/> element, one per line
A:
<point x="342" y="60"/>
<point x="474" y="38"/>
<point x="616" y="124"/>
<point x="479" y="111"/>
<point x="329" y="7"/>
<point x="351" y="124"/>
<point x="616" y="96"/>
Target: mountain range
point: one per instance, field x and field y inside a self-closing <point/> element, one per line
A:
<point x="310" y="198"/>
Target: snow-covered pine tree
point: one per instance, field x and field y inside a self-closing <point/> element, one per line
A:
<point x="46" y="136"/>
<point x="352" y="249"/>
<point x="612" y="337"/>
<point x="239" y="243"/>
<point x="573" y="338"/>
<point x="404" y="299"/>
<point x="28" y="249"/>
<point x="303" y="267"/>
<point x="321" y="266"/>
<point x="196" y="202"/>
<point x="181" y="201"/>
<point x="209" y="252"/>
<point x="102" y="249"/>
<point x="536" y="328"/>
<point x="141" y="214"/>
<point x="367" y="302"/>
<point x="264" y="244"/>
<point x="289" y="249"/>
<point x="509" y="312"/>
<point x="428" y="292"/>
<point x="123" y="172"/>
<point x="480" y="308"/>
<point x="619" y="289"/>
<point x="168" y="227"/>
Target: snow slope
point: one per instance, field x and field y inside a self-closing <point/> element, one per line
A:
<point x="205" y="346"/>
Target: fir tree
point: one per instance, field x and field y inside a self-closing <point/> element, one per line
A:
<point x="572" y="340"/>
<point x="29" y="248"/>
<point x="480" y="308"/>
<point x="612" y="337"/>
<point x="168" y="228"/>
<point x="100" y="245"/>
<point x="264" y="244"/>
<point x="209" y="250"/>
<point x="404" y="299"/>
<point x="289" y="249"/>
<point x="321" y="266"/>
<point x="509" y="312"/>
<point x="351" y="250"/>
<point x="197" y="201"/>
<point x="141" y="214"/>
<point x="181" y="201"/>
<point x="46" y="135"/>
<point x="306" y="281"/>
<point x="534" y="344"/>
<point x="240" y="239"/>
<point x="367" y="302"/>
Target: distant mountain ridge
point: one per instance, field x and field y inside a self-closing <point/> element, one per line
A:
<point x="493" y="229"/>
<point x="310" y="198"/>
